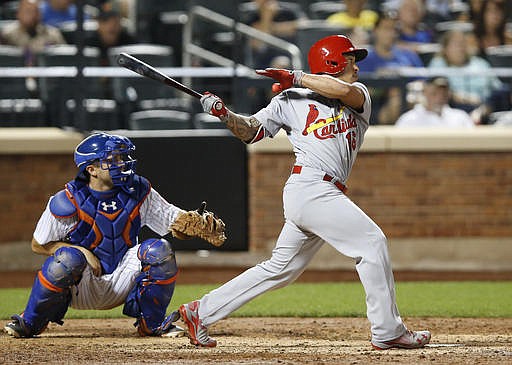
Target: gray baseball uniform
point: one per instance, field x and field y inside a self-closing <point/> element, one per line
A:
<point x="326" y="136"/>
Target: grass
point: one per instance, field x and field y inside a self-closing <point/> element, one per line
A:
<point x="415" y="299"/>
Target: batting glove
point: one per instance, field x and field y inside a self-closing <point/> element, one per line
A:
<point x="214" y="105"/>
<point x="286" y="78"/>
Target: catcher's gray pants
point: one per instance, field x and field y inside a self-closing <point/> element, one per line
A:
<point x="316" y="212"/>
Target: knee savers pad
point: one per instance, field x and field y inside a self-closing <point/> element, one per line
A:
<point x="51" y="294"/>
<point x="154" y="286"/>
<point x="64" y="269"/>
<point x="157" y="259"/>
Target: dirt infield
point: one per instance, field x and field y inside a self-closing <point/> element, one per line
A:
<point x="266" y="340"/>
<point x="263" y="341"/>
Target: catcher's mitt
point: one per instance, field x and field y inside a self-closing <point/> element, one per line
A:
<point x="199" y="223"/>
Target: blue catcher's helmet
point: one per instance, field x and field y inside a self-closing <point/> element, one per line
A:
<point x="113" y="154"/>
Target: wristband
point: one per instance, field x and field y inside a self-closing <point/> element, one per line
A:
<point x="297" y="78"/>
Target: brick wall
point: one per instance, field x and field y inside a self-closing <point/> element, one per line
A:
<point x="27" y="183"/>
<point x="410" y="194"/>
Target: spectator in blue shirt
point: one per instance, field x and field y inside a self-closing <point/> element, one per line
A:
<point x="384" y="56"/>
<point x="56" y="12"/>
<point x="412" y="30"/>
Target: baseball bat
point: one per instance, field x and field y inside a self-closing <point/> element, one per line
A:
<point x="143" y="69"/>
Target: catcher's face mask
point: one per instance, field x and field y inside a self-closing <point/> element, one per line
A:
<point x="120" y="165"/>
<point x="113" y="154"/>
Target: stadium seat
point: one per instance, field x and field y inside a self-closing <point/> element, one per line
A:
<point x="308" y="32"/>
<point x="207" y="121"/>
<point x="137" y="93"/>
<point x="9" y="9"/>
<point x="60" y="94"/>
<point x="427" y="51"/>
<point x="248" y="9"/>
<point x="168" y="30"/>
<point x="68" y="30"/>
<point x="322" y="9"/>
<point x="503" y="118"/>
<point x="226" y="8"/>
<point x="179" y="103"/>
<point x="499" y="56"/>
<point x="99" y="114"/>
<point x="148" y="17"/>
<point x="11" y="56"/>
<point x="159" y="119"/>
<point x="443" y="27"/>
<point x="20" y="105"/>
<point x="22" y="113"/>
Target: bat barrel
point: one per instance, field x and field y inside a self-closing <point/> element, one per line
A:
<point x="127" y="61"/>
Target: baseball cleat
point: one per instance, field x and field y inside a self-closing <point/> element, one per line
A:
<point x="18" y="328"/>
<point x="197" y="332"/>
<point x="174" y="331"/>
<point x="409" y="340"/>
<point x="169" y="329"/>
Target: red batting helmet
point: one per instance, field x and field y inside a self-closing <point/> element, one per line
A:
<point x="326" y="56"/>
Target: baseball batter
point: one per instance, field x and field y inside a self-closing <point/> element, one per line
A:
<point x="89" y="231"/>
<point x="325" y="115"/>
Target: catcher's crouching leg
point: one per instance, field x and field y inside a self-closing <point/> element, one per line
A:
<point x="51" y="294"/>
<point x="153" y="289"/>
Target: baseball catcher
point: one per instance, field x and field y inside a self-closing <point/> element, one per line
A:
<point x="89" y="233"/>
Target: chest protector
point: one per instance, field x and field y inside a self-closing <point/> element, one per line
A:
<point x="108" y="222"/>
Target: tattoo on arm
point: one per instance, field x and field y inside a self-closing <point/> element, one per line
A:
<point x="244" y="128"/>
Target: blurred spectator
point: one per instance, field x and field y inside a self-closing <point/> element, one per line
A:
<point x="490" y="26"/>
<point x="357" y="20"/>
<point x="434" y="110"/>
<point x="383" y="56"/>
<point x="274" y="18"/>
<point x="438" y="10"/>
<point x="257" y="98"/>
<point x="110" y="33"/>
<point x="475" y="8"/>
<point x="29" y="33"/>
<point x="502" y="119"/>
<point x="55" y="12"/>
<point x="355" y="15"/>
<point x="412" y="30"/>
<point x="471" y="92"/>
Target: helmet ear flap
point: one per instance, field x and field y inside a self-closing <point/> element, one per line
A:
<point x="336" y="65"/>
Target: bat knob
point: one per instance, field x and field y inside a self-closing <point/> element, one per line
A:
<point x="120" y="60"/>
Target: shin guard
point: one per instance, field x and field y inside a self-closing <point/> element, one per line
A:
<point x="154" y="287"/>
<point x="51" y="294"/>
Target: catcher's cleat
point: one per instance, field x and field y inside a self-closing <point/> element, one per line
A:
<point x="18" y="328"/>
<point x="197" y="332"/>
<point x="169" y="329"/>
<point x="174" y="331"/>
<point x="409" y="340"/>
